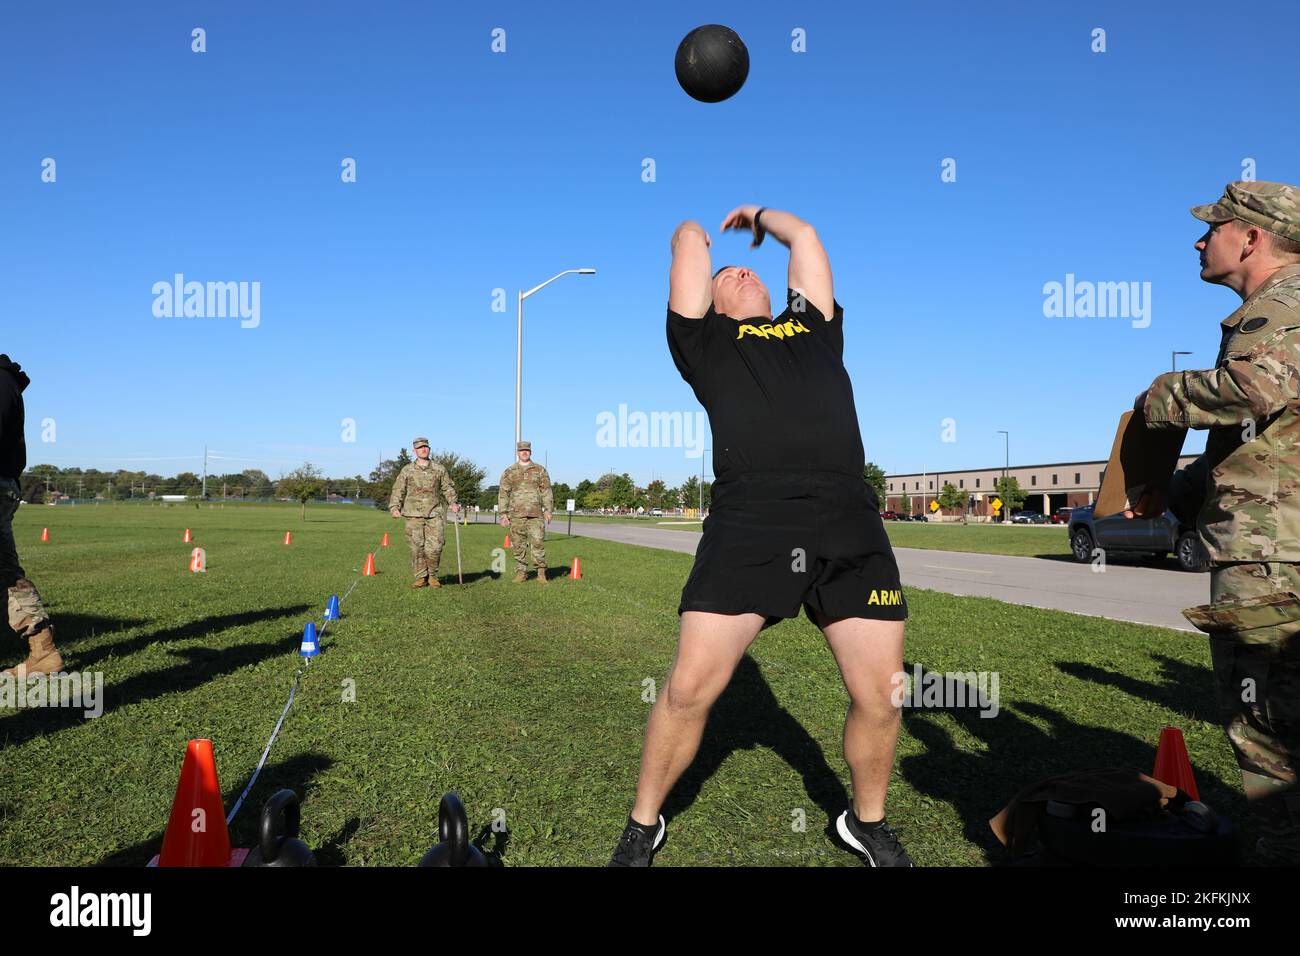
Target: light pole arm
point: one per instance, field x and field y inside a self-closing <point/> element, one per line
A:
<point x="524" y="295"/>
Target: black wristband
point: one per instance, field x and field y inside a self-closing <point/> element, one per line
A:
<point x="759" y="232"/>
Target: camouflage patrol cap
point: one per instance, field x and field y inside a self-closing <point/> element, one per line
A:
<point x="1274" y="207"/>
<point x="523" y="446"/>
<point x="420" y="443"/>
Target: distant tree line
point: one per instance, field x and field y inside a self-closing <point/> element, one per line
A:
<point x="307" y="483"/>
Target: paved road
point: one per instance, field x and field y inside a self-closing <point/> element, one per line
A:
<point x="1122" y="592"/>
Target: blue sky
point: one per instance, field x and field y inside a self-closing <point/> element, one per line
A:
<point x="479" y="171"/>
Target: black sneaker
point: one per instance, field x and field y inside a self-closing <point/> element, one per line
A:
<point x="636" y="847"/>
<point x="879" y="845"/>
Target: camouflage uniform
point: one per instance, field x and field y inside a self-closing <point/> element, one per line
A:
<point x="420" y="492"/>
<point x="525" y="500"/>
<point x="27" y="615"/>
<point x="1244" y="493"/>
<point x="26" y="612"/>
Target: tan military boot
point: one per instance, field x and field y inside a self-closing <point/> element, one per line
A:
<point x="43" y="656"/>
<point x="520" y="577"/>
<point x="434" y="582"/>
<point x="421" y="583"/>
<point x="541" y="576"/>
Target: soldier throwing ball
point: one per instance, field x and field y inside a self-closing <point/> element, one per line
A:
<point x="421" y="490"/>
<point x="1244" y="494"/>
<point x="524" y="504"/>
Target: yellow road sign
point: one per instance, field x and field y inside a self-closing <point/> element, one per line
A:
<point x="934" y="506"/>
<point x="997" y="505"/>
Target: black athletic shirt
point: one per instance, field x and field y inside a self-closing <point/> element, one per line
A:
<point x="776" y="391"/>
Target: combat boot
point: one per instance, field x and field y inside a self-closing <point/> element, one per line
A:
<point x="541" y="576"/>
<point x="421" y="583"/>
<point x="434" y="582"/>
<point x="520" y="576"/>
<point x="43" y="656"/>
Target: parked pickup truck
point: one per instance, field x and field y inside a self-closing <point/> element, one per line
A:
<point x="1153" y="537"/>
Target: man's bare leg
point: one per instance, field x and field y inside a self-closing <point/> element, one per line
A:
<point x="708" y="650"/>
<point x="869" y="654"/>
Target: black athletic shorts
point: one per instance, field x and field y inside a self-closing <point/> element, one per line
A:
<point x="776" y="540"/>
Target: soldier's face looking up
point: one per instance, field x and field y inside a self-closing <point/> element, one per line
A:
<point x="739" y="293"/>
<point x="525" y="455"/>
<point x="1221" y="250"/>
<point x="422" y="452"/>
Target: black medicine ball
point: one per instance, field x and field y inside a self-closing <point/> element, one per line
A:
<point x="712" y="63"/>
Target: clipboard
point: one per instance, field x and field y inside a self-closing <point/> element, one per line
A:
<point x="1140" y="458"/>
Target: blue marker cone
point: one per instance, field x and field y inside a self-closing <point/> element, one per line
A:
<point x="332" y="609"/>
<point x="310" y="645"/>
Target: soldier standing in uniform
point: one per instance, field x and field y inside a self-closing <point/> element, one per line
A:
<point x="1244" y="494"/>
<point x="524" y="504"/>
<point x="27" y="615"/>
<point x="419" y="493"/>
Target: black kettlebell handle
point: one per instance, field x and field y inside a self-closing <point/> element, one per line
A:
<point x="453" y="828"/>
<point x="281" y="818"/>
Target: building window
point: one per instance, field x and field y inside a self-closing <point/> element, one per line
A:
<point x="1033" y="479"/>
<point x="891" y="486"/>
<point x="930" y="484"/>
<point x="1053" y="479"/>
<point x="977" y="482"/>
<point x="917" y="486"/>
<point x="1077" y="476"/>
<point x="961" y="483"/>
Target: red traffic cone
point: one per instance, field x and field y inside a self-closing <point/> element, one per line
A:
<point x="199" y="561"/>
<point x="384" y="543"/>
<point x="575" y="570"/>
<point x="288" y="537"/>
<point x="369" y="569"/>
<point x="1172" y="763"/>
<point x="45" y="535"/>
<point x="186" y="539"/>
<point x="196" y="832"/>
<point x="507" y="544"/>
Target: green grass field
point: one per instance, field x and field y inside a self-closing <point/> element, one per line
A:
<point x="524" y="699"/>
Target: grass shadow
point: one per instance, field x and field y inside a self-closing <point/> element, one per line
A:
<point x="1185" y="688"/>
<point x="1016" y="752"/>
<point x="202" y="627"/>
<point x="748" y="715"/>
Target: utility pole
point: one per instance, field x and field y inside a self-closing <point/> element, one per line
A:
<point x="204" y="494"/>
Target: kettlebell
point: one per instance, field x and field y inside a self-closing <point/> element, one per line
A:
<point x="453" y="828"/>
<point x="278" y="843"/>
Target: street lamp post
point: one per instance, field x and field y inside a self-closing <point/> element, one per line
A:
<point x="519" y="339"/>
<point x="1006" y="464"/>
<point x="1173" y="360"/>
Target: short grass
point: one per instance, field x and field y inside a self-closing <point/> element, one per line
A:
<point x="528" y="702"/>
<point x="1028" y="541"/>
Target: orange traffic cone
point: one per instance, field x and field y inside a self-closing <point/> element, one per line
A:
<point x="1172" y="764"/>
<point x="507" y="544"/>
<point x="199" y="560"/>
<point x="384" y="543"/>
<point x="369" y="569"/>
<point x="196" y="832"/>
<point x="288" y="537"/>
<point x="575" y="570"/>
<point x="45" y="536"/>
<point x="186" y="539"/>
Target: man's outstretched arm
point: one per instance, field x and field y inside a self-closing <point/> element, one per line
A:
<point x="690" y="282"/>
<point x="810" y="268"/>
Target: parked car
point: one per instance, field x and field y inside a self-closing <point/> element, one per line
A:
<point x="1061" y="516"/>
<point x="889" y="516"/>
<point x="1029" y="517"/>
<point x="1153" y="537"/>
<point x="920" y="517"/>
